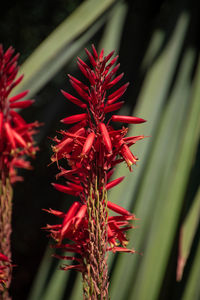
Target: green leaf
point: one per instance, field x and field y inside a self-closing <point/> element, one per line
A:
<point x="193" y="288"/>
<point x="60" y="46"/>
<point x="148" y="182"/>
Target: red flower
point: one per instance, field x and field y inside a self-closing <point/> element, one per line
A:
<point x="5" y="265"/>
<point x="16" y="136"/>
<point x="91" y="148"/>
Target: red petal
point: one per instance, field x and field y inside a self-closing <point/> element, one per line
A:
<point x="21" y="142"/>
<point x="83" y="69"/>
<point x="80" y="91"/>
<point x="113" y="107"/>
<point x="110" y="75"/>
<point x="80" y="215"/>
<point x="88" y="144"/>
<point x="74" y="186"/>
<point x="69" y="217"/>
<point x="1" y="124"/>
<point x="109" y="56"/>
<point x="114" y="182"/>
<point x="128" y="156"/>
<point x="74" y="119"/>
<point x="113" y="61"/>
<point x="114" y="81"/>
<point x="64" y="189"/>
<point x="127" y="119"/>
<point x="17" y="118"/>
<point x="91" y="58"/>
<point x="56" y="213"/>
<point x="91" y="77"/>
<point x="9" y="133"/>
<point x="117" y="94"/>
<point x="19" y="96"/>
<point x="118" y="209"/>
<point x="22" y="104"/>
<point x="133" y="139"/>
<point x="71" y="212"/>
<point x="74" y="99"/>
<point x="3" y="257"/>
<point x="101" y="55"/>
<point x="78" y="268"/>
<point x="106" y="137"/>
<point x="94" y="51"/>
<point x="121" y="249"/>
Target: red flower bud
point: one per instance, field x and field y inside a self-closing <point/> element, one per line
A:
<point x="113" y="107"/>
<point x="114" y="182"/>
<point x="22" y="104"/>
<point x="106" y="137"/>
<point x="118" y="209"/>
<point x="127" y="119"/>
<point x="74" y="119"/>
<point x="73" y="99"/>
<point x="88" y="144"/>
<point x="19" y="96"/>
<point x="9" y="134"/>
<point x="64" y="189"/>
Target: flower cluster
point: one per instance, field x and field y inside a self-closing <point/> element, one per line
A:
<point x="4" y="269"/>
<point x="16" y="142"/>
<point x="86" y="155"/>
<point x="16" y="136"/>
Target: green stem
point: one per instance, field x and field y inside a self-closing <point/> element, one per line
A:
<point x="6" y="194"/>
<point x="95" y="279"/>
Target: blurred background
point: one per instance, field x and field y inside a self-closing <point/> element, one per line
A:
<point x="158" y="44"/>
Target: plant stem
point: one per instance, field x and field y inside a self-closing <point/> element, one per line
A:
<point x="95" y="279"/>
<point x="6" y="194"/>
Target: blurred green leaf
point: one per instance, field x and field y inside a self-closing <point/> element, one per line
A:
<point x="193" y="288"/>
<point x="153" y="175"/>
<point x="40" y="280"/>
<point x="188" y="230"/>
<point x="60" y="46"/>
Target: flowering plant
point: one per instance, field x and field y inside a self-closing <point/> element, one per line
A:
<point x="86" y="155"/>
<point x="16" y="142"/>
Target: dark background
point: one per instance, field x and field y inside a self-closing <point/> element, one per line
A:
<point x="24" y="25"/>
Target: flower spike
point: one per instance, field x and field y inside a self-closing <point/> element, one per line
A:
<point x="16" y="143"/>
<point x="91" y="148"/>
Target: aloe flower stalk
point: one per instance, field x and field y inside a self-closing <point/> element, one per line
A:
<point x="16" y="142"/>
<point x="86" y="155"/>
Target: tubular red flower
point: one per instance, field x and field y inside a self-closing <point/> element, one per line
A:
<point x="74" y="119"/>
<point x="74" y="99"/>
<point x="114" y="182"/>
<point x="1" y="124"/>
<point x="91" y="58"/>
<point x="9" y="134"/>
<point x="118" y="93"/>
<point x="22" y="104"/>
<point x="114" y="81"/>
<point x="128" y="155"/>
<point x="88" y="144"/>
<point x="19" y="139"/>
<point x="113" y="107"/>
<point x="106" y="137"/>
<point x="127" y="119"/>
<point x="64" y="189"/>
<point x="18" y="97"/>
<point x="118" y="209"/>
